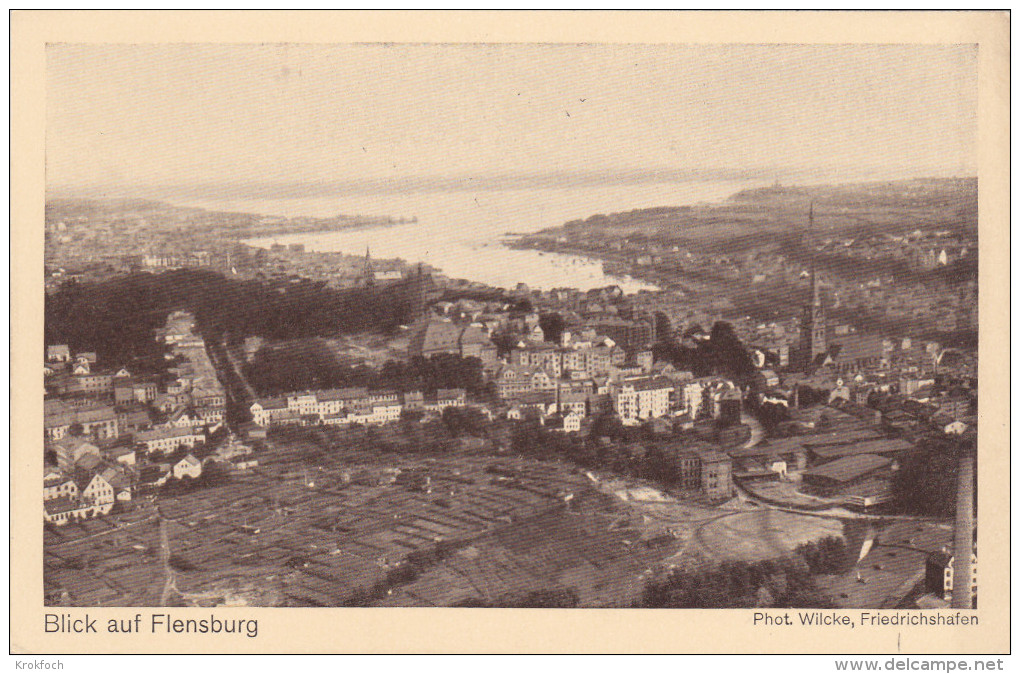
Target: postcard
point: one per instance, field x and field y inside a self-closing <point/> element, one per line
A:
<point x="510" y="332"/>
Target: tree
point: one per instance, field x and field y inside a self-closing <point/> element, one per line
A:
<point x="608" y="425"/>
<point x="215" y="473"/>
<point x="552" y="325"/>
<point x="464" y="421"/>
<point x="505" y="342"/>
<point x="826" y="556"/>
<point x="784" y="583"/>
<point x="411" y="415"/>
<point x="729" y="354"/>
<point x="925" y="484"/>
<point x="772" y="414"/>
<point x="663" y="327"/>
<point x="693" y="331"/>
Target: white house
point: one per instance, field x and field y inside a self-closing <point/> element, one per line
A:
<point x="189" y="466"/>
<point x="98" y="491"/>
<point x="58" y="353"/>
<point x="169" y="439"/>
<point x="572" y="423"/>
<point x="955" y="428"/>
<point x="57" y="487"/>
<point x="642" y="398"/>
<point x="62" y="510"/>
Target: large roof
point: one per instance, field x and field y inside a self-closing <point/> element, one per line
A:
<point x="840" y="437"/>
<point x="473" y="335"/>
<point x="853" y="347"/>
<point x="883" y="446"/>
<point x="62" y="504"/>
<point x="849" y="468"/>
<point x="435" y="336"/>
<point x="272" y="403"/>
<point x="161" y="433"/>
<point x="450" y="393"/>
<point x="651" y="383"/>
<point x="342" y="393"/>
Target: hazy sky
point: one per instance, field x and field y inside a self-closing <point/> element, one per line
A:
<point x="145" y="114"/>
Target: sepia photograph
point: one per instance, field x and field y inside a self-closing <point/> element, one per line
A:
<point x="511" y="325"/>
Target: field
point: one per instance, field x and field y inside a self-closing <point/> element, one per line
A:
<point x="362" y="528"/>
<point x="288" y="533"/>
<point x="762" y="534"/>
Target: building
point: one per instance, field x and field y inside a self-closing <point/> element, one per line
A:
<point x="513" y="381"/>
<point x="189" y="466"/>
<point x="727" y="406"/>
<point x="563" y="423"/>
<point x="852" y="352"/>
<point x="91" y="383"/>
<point x="99" y="422"/>
<point x="473" y="342"/>
<point x="454" y="397"/>
<point x="939" y="575"/>
<point x="436" y="337"/>
<point x="691" y="398"/>
<point x="629" y="335"/>
<point x="573" y="403"/>
<point x="956" y="405"/>
<point x="861" y="480"/>
<point x="332" y="406"/>
<point x="60" y="511"/>
<point x="704" y="470"/>
<point x="127" y="390"/>
<point x="59" y="487"/>
<point x="716" y="474"/>
<point x="71" y="450"/>
<point x="266" y="411"/>
<point x="58" y="353"/>
<point x="123" y="455"/>
<point x="98" y="491"/>
<point x="539" y="355"/>
<point x="132" y="417"/>
<point x="642" y="398"/>
<point x="891" y="448"/>
<point x="167" y="440"/>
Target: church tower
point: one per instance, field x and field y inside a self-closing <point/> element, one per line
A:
<point x="812" y="330"/>
<point x="367" y="272"/>
<point x="418" y="291"/>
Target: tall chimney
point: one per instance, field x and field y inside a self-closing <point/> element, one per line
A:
<point x="963" y="538"/>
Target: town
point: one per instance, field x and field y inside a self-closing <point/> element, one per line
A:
<point x="335" y="429"/>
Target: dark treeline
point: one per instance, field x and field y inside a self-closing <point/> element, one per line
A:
<point x="721" y="354"/>
<point x="829" y="555"/>
<point x="487" y="295"/>
<point x="550" y="598"/>
<point x="926" y="482"/>
<point x="781" y="583"/>
<point x="311" y="365"/>
<point x="628" y="451"/>
<point x="116" y="318"/>
<point x="610" y="446"/>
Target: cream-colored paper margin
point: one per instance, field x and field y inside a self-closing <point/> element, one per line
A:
<point x="380" y="630"/>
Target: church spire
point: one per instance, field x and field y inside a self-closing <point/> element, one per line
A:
<point x="368" y="274"/>
<point x="816" y="297"/>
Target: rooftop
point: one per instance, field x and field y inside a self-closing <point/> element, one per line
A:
<point x="848" y="468"/>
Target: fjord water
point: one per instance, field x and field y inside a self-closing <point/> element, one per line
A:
<point x="461" y="232"/>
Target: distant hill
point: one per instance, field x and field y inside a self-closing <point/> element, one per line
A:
<point x="741" y="221"/>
